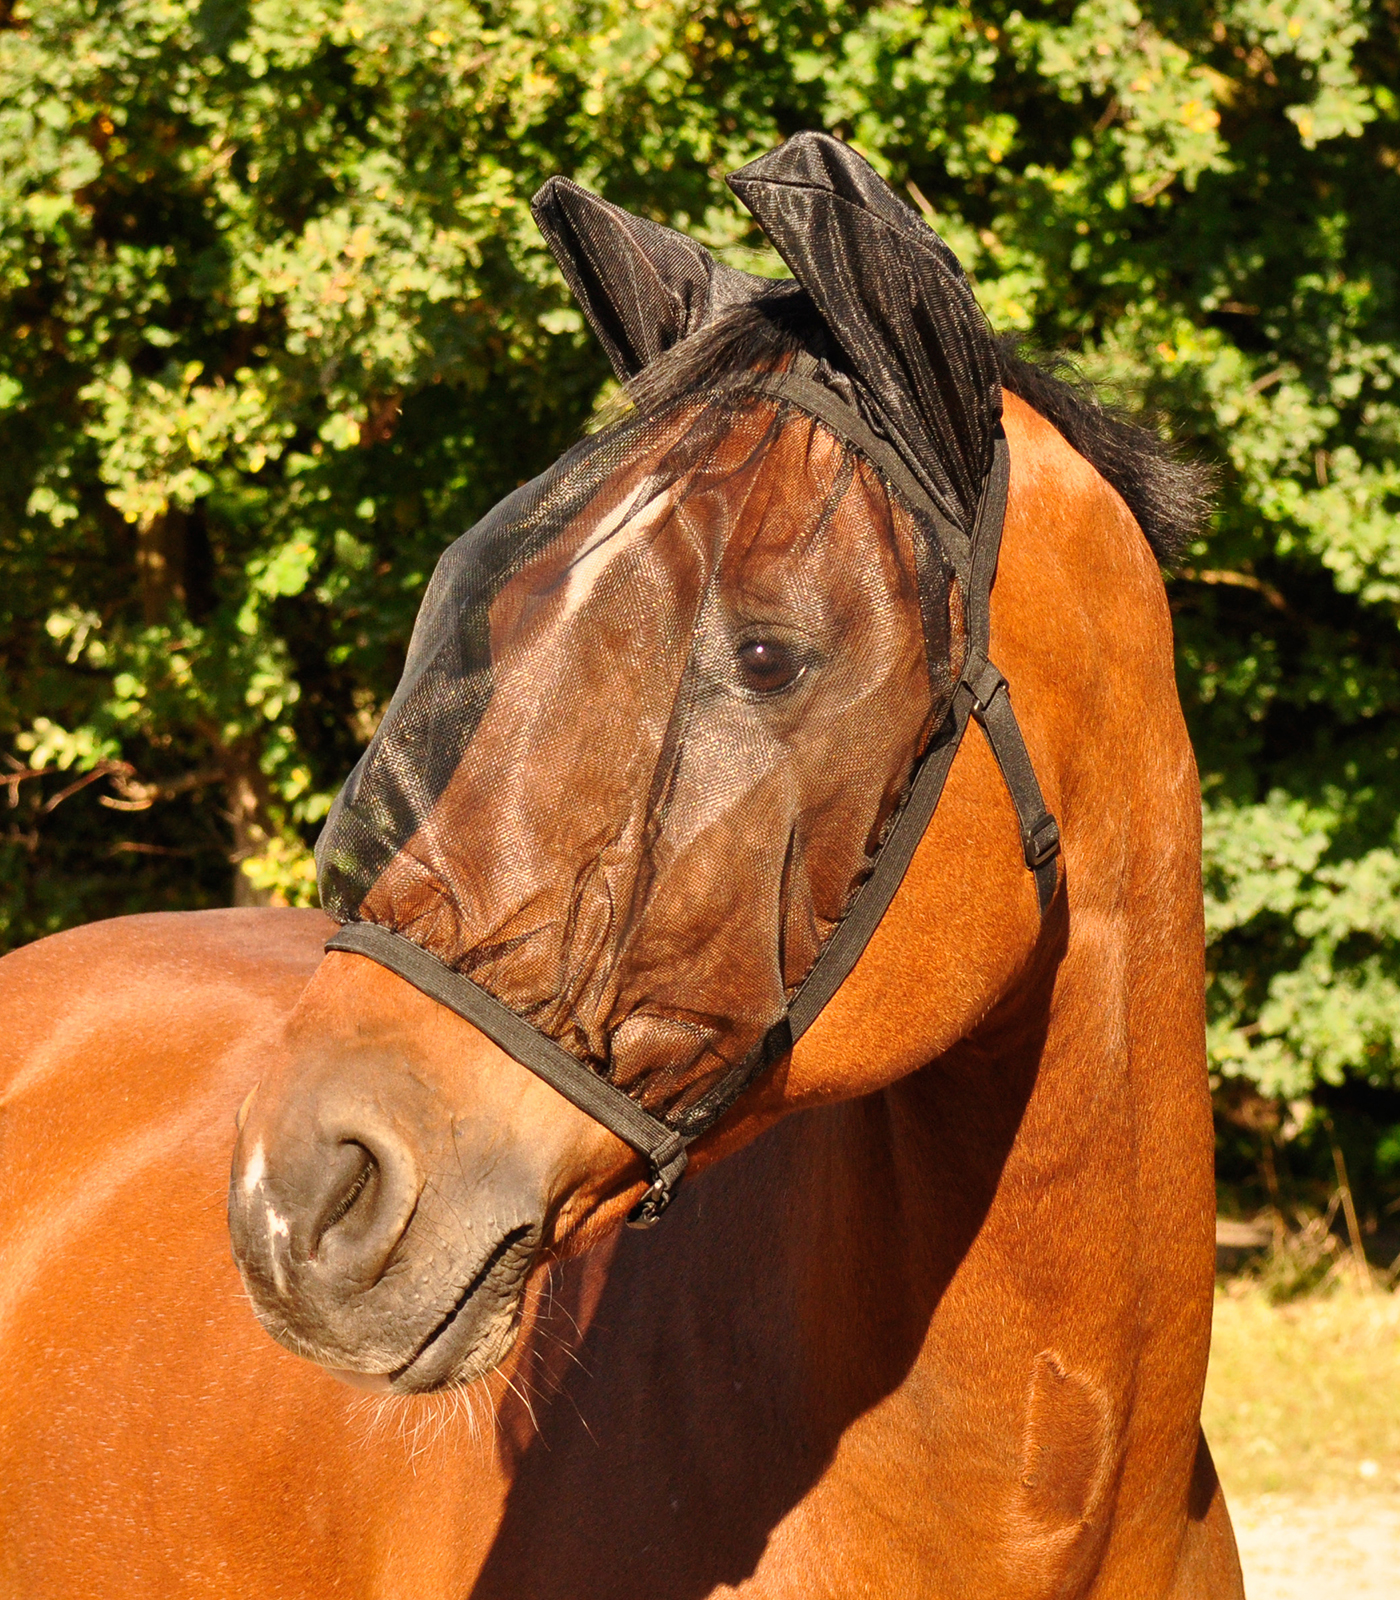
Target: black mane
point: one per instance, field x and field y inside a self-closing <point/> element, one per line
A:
<point x="1168" y="495"/>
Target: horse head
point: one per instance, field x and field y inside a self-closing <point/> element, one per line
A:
<point x="660" y="713"/>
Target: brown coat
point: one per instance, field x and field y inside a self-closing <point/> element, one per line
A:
<point x="942" y="1331"/>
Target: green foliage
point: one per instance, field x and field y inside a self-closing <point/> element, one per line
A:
<point x="277" y="326"/>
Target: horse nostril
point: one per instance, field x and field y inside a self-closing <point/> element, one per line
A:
<point x="335" y="1187"/>
<point x="354" y="1177"/>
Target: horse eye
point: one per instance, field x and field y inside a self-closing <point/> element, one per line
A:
<point x="767" y="666"/>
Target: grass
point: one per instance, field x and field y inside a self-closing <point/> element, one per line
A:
<point x="1303" y="1398"/>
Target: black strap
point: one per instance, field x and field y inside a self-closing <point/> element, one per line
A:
<point x="981" y="693"/>
<point x="846" y="945"/>
<point x="663" y="1148"/>
<point x="1040" y="833"/>
<point x="987" y="688"/>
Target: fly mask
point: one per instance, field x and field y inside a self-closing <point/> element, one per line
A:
<point x="676" y="714"/>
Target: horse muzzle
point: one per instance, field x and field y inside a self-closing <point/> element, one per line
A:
<point x="376" y="1233"/>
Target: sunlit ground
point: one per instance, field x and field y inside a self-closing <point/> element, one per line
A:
<point x="1302" y="1412"/>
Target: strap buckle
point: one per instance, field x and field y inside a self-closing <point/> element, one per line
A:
<point x="668" y="1163"/>
<point x="647" y="1212"/>
<point x="1042" y="841"/>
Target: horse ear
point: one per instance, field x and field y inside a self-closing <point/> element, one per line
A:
<point x="642" y="287"/>
<point x="896" y="300"/>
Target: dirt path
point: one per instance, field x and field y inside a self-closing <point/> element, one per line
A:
<point x="1306" y="1550"/>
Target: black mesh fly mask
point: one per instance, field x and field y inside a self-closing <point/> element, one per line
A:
<point x="676" y="714"/>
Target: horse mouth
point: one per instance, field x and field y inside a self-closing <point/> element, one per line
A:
<point x="480" y="1327"/>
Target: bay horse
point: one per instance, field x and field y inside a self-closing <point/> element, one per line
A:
<point x="929" y="1315"/>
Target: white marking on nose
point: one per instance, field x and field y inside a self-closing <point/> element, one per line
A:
<point x="277" y="1226"/>
<point x="252" y="1173"/>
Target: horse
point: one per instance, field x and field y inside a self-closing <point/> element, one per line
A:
<point x="930" y="1313"/>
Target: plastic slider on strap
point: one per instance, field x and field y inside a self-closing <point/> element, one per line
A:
<point x="1042" y="841"/>
<point x="983" y="684"/>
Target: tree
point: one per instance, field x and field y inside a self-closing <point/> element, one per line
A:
<point x="277" y="326"/>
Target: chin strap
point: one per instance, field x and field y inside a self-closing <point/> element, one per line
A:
<point x="981" y="695"/>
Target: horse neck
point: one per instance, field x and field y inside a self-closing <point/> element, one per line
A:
<point x="1035" y="1190"/>
<point x="809" y="1266"/>
<point x="883" y="1197"/>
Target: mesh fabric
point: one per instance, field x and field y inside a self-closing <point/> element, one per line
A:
<point x="658" y="711"/>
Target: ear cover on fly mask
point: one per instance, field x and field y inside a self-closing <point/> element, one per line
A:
<point x="642" y="287"/>
<point x="898" y="304"/>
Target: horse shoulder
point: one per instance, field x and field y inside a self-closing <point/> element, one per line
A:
<point x="83" y="1010"/>
<point x="149" y="1428"/>
<point x="128" y="1046"/>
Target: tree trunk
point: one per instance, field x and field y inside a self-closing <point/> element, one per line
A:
<point x="248" y="813"/>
